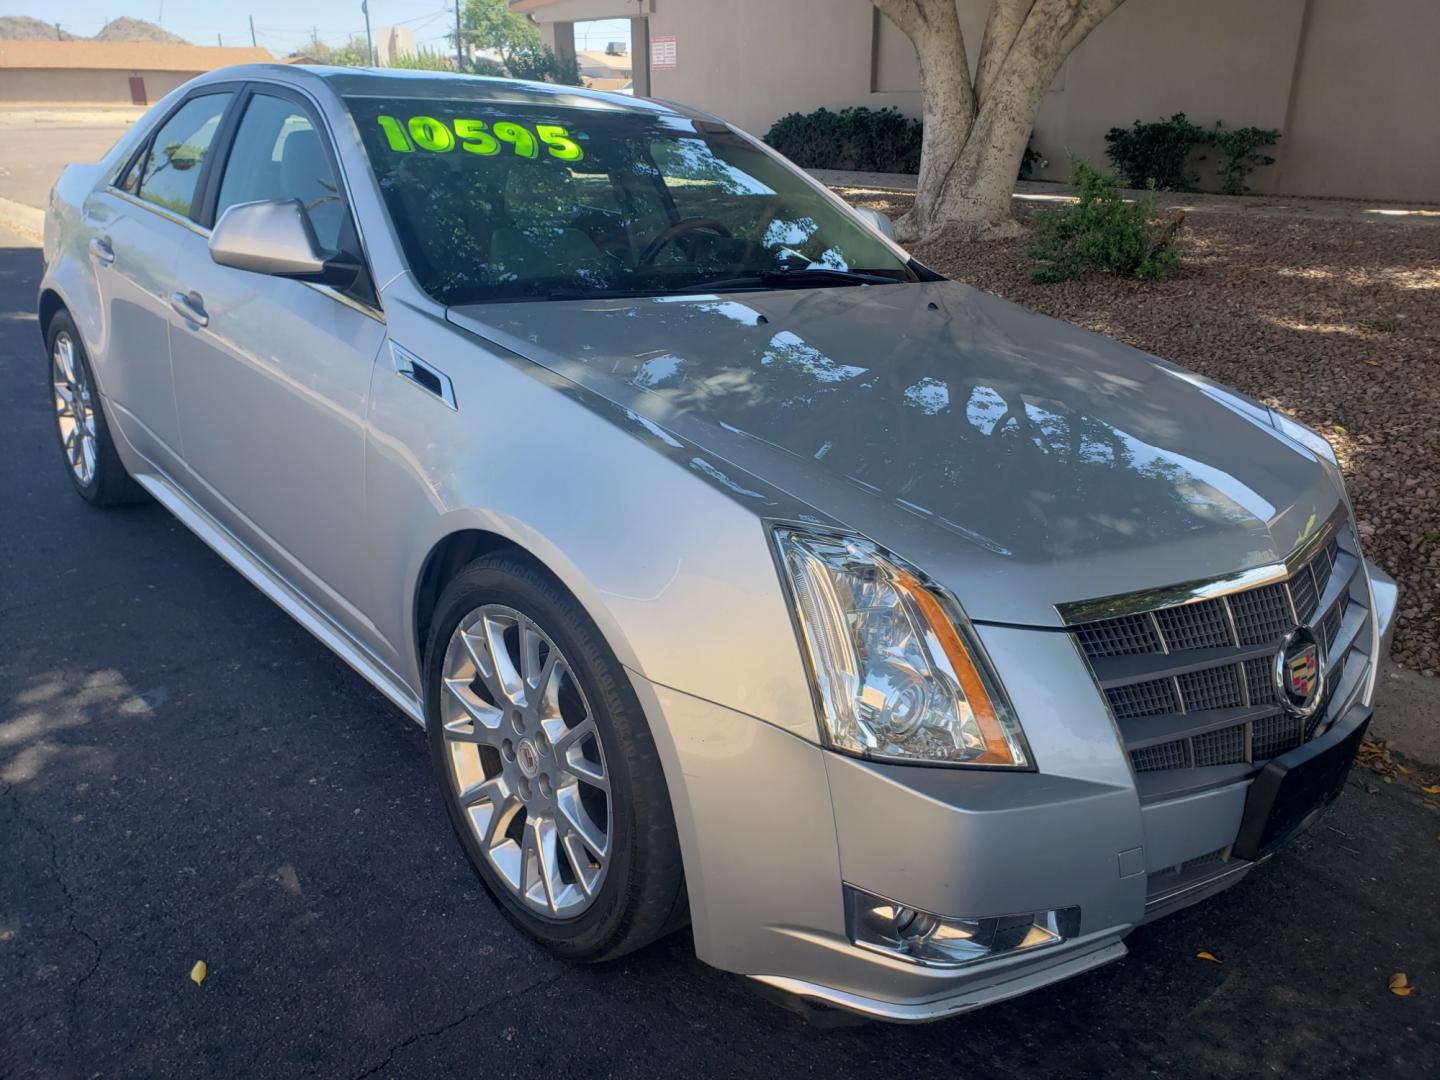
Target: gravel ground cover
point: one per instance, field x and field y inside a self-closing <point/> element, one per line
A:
<point x="1336" y="322"/>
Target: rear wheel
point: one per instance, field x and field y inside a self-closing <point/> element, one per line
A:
<point x="91" y="460"/>
<point x="547" y="766"/>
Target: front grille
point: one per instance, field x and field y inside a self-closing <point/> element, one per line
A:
<point x="1191" y="686"/>
<point x="1262" y="614"/>
<point x="1119" y="637"/>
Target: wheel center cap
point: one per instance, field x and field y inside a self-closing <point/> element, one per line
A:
<point x="528" y="758"/>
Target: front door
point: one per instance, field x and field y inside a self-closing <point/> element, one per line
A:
<point x="272" y="377"/>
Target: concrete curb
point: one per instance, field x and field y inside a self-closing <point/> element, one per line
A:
<point x="1407" y="713"/>
<point x="25" y="220"/>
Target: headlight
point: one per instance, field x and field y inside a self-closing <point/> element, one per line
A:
<point x="897" y="678"/>
<point x="1306" y="437"/>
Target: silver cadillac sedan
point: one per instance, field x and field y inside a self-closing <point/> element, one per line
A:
<point x="910" y="646"/>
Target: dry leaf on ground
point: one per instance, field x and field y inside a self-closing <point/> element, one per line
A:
<point x="198" y="972"/>
<point x="1202" y="955"/>
<point x="1400" y="984"/>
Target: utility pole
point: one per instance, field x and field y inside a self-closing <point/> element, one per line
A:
<point x="369" y="42"/>
<point x="219" y="41"/>
<point x="459" y="55"/>
<point x="252" y="32"/>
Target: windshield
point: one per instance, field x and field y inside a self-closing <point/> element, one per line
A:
<point x="506" y="201"/>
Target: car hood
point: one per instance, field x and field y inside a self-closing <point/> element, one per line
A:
<point x="1022" y="461"/>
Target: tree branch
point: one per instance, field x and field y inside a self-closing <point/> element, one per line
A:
<point x="1002" y="27"/>
<point x="1089" y="13"/>
<point x="903" y="13"/>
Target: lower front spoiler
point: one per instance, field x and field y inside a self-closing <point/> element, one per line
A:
<point x="1004" y="985"/>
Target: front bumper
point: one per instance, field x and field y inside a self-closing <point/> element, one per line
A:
<point x="772" y="827"/>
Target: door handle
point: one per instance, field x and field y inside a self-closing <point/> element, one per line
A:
<point x="190" y="307"/>
<point x="101" y="249"/>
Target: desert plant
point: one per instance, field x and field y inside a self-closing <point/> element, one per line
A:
<point x="1240" y="154"/>
<point x="1158" y="151"/>
<point x="874" y="140"/>
<point x="1103" y="232"/>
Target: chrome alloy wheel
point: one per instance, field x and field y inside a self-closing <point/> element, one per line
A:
<point x="74" y="408"/>
<point x="525" y="758"/>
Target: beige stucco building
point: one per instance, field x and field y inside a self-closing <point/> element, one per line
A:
<point x="1353" y="85"/>
<point x="107" y="71"/>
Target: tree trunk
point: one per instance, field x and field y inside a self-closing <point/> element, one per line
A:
<point x="969" y="165"/>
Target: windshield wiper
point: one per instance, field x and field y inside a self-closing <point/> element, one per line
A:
<point x="808" y="277"/>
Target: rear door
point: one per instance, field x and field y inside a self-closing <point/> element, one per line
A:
<point x="272" y="376"/>
<point x="135" y="226"/>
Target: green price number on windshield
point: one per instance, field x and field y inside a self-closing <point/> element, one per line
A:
<point x="474" y="137"/>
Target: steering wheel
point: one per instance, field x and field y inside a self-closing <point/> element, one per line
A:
<point x="677" y="230"/>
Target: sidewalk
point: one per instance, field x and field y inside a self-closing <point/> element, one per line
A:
<point x="1037" y="193"/>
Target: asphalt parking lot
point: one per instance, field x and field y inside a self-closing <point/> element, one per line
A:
<point x="186" y="775"/>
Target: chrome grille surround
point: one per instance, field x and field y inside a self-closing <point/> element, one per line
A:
<point x="1189" y="680"/>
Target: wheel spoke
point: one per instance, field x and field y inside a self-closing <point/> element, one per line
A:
<point x="507" y="680"/>
<point x="492" y="791"/>
<point x="573" y="811"/>
<point x="530" y="665"/>
<point x="483" y="720"/>
<point x="542" y="867"/>
<point x="575" y="853"/>
<point x="65" y="358"/>
<point x="586" y="772"/>
<point x="479" y="653"/>
<point x="574" y="737"/>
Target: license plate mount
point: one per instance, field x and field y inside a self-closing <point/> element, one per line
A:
<point x="1296" y="786"/>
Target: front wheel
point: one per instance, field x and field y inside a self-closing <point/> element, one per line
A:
<point x="546" y="764"/>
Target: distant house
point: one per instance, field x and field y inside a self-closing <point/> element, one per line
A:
<point x="608" y="70"/>
<point x="108" y="71"/>
<point x="394" y="43"/>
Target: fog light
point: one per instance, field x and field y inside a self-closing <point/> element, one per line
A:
<point x="925" y="938"/>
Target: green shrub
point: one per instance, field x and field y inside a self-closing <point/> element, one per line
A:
<point x="424" y="60"/>
<point x="539" y="63"/>
<point x="1159" y="151"/>
<point x="869" y="140"/>
<point x="483" y="65"/>
<point x="1102" y="232"/>
<point x="1240" y="155"/>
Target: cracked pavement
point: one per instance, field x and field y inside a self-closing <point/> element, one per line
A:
<point x="187" y="775"/>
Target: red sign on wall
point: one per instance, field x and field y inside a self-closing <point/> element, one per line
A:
<point x="662" y="53"/>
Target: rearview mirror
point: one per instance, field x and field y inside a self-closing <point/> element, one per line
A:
<point x="276" y="237"/>
<point x="877" y="221"/>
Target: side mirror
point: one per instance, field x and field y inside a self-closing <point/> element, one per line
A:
<point x="877" y="221"/>
<point x="276" y="237"/>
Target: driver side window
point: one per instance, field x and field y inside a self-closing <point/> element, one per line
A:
<point x="279" y="154"/>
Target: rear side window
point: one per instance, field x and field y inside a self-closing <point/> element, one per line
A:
<point x="279" y="154"/>
<point x="173" y="164"/>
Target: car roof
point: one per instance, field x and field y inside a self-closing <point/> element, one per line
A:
<point x="399" y="82"/>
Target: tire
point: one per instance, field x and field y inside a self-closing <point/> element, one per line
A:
<point x="637" y="894"/>
<point x="91" y="461"/>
